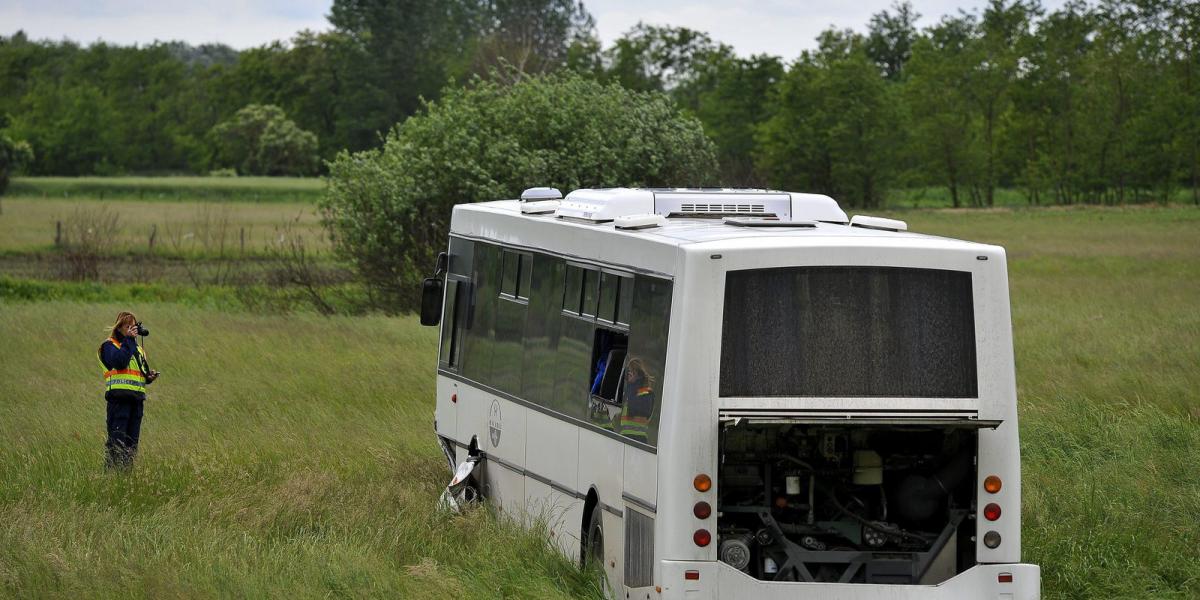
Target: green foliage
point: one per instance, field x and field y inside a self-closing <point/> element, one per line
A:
<point x="532" y="36"/>
<point x="389" y="209"/>
<point x="891" y="37"/>
<point x="833" y="128"/>
<point x="1085" y="103"/>
<point x="261" y="140"/>
<point x="14" y="154"/>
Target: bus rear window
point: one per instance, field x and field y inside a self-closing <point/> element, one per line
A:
<point x="848" y="332"/>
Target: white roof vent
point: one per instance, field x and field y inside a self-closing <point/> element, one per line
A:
<point x="768" y="223"/>
<point x="540" y="200"/>
<point x="645" y="221"/>
<point x="868" y="222"/>
<point x="541" y="193"/>
<point x="721" y="202"/>
<point x="605" y="204"/>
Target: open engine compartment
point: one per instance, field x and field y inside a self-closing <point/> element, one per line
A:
<point x="888" y="504"/>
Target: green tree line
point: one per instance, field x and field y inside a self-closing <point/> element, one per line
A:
<point x="1095" y="103"/>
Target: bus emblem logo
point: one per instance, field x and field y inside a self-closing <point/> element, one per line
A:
<point x="494" y="423"/>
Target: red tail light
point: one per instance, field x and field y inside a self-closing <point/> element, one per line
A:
<point x="691" y="575"/>
<point x="702" y="510"/>
<point x="702" y="537"/>
<point x="991" y="512"/>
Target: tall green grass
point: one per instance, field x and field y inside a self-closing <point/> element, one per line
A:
<point x="171" y="189"/>
<point x="185" y="227"/>
<point x="281" y="457"/>
<point x="1106" y="331"/>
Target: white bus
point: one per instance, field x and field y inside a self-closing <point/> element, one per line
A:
<point x="736" y="393"/>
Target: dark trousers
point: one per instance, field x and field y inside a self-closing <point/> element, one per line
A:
<point x="124" y="428"/>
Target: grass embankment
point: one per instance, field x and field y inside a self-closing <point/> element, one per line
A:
<point x="183" y="227"/>
<point x="293" y="456"/>
<point x="170" y="189"/>
<point x="282" y="457"/>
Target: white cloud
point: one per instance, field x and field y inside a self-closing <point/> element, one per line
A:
<point x="753" y="27"/>
<point x="238" y="24"/>
<point x="771" y="26"/>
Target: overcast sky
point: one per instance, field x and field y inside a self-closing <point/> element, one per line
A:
<point x="775" y="27"/>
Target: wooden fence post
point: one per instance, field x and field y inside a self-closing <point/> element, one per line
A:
<point x="58" y="234"/>
<point x="153" y="234"/>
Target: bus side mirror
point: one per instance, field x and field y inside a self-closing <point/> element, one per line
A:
<point x="431" y="301"/>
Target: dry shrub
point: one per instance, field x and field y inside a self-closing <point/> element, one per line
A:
<point x="85" y="236"/>
<point x="212" y="239"/>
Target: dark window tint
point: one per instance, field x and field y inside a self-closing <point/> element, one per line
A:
<point x="524" y="283"/>
<point x="591" y="288"/>
<point x="542" y="327"/>
<point x="608" y="297"/>
<point x="484" y="294"/>
<point x="572" y="289"/>
<point x="624" y="299"/>
<point x="457" y="303"/>
<point x="512" y="267"/>
<point x="450" y="325"/>
<point x="648" y="328"/>
<point x="848" y="331"/>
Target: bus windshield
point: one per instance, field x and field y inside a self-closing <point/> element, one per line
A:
<point x="848" y="332"/>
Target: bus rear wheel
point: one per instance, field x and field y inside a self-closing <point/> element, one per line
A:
<point x="593" y="549"/>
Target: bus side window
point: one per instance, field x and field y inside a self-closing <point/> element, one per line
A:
<point x="608" y="297"/>
<point x="624" y="299"/>
<point x="572" y="288"/>
<point x="591" y="292"/>
<point x="608" y="358"/>
<point x="650" y="315"/>
<point x="454" y="321"/>
<point x="517" y="270"/>
<point x="457" y="306"/>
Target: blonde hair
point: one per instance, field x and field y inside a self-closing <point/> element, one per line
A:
<point x="124" y="320"/>
<point x="638" y="368"/>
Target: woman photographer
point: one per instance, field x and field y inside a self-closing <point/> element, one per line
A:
<point x="125" y="379"/>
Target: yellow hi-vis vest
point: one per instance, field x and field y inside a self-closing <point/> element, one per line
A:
<point x="130" y="378"/>
<point x="635" y="426"/>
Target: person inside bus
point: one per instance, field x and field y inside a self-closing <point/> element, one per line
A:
<point x="639" y="401"/>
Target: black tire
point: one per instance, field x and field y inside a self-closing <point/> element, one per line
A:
<point x="593" y="542"/>
<point x="592" y="558"/>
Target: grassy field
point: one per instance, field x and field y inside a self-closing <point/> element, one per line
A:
<point x="273" y="467"/>
<point x="282" y="457"/>
<point x="939" y="197"/>
<point x="183" y="226"/>
<point x="171" y="189"/>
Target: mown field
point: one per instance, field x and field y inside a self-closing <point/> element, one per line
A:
<point x="291" y="455"/>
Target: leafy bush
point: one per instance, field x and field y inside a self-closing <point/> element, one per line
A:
<point x="388" y="209"/>
<point x="13" y="154"/>
<point x="260" y="140"/>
